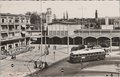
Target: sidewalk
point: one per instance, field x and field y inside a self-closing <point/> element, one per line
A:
<point x="23" y="64"/>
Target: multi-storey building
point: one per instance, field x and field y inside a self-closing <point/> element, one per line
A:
<point x="13" y="32"/>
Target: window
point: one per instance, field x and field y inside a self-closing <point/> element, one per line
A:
<point x="16" y="45"/>
<point x="111" y="21"/>
<point x="76" y="55"/>
<point x="27" y="21"/>
<point x="2" y="48"/>
<point x="17" y="20"/>
<point x="3" y="20"/>
<point x="10" y="46"/>
<point x="102" y="21"/>
<point x="16" y="26"/>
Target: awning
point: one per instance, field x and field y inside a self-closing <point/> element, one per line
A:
<point x="23" y="25"/>
<point x="23" y="32"/>
<point x="34" y="39"/>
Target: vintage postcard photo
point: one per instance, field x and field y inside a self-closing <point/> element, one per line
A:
<point x="59" y="38"/>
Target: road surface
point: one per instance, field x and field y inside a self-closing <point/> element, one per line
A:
<point x="74" y="69"/>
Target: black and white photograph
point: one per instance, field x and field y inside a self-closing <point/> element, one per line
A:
<point x="59" y="38"/>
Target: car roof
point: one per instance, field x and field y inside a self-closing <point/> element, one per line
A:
<point x="85" y="51"/>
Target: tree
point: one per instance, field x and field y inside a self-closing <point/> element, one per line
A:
<point x="35" y="20"/>
<point x="28" y="13"/>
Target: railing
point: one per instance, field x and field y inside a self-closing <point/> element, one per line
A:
<point x="58" y="33"/>
<point x="4" y="38"/>
<point x="97" y="30"/>
<point x="9" y="38"/>
<point x="87" y="32"/>
<point x="94" y="32"/>
<point x="4" y="30"/>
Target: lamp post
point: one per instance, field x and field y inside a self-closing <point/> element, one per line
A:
<point x="54" y="55"/>
<point x="46" y="48"/>
<point x="41" y="29"/>
<point x="81" y="64"/>
<point x="119" y="42"/>
<point x="14" y="72"/>
<point x="12" y="65"/>
<point x="0" y="30"/>
<point x="62" y="72"/>
<point x="83" y="57"/>
<point x="118" y="69"/>
<point x="68" y="39"/>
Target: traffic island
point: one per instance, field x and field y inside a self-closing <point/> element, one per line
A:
<point x="45" y="68"/>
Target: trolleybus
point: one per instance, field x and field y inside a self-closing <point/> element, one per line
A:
<point x="87" y="55"/>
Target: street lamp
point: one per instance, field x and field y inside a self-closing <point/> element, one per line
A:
<point x="46" y="48"/>
<point x="41" y="29"/>
<point x="12" y="65"/>
<point x="68" y="39"/>
<point x="62" y="71"/>
<point x="83" y="57"/>
<point x="118" y="68"/>
<point x="14" y="72"/>
<point x="54" y="55"/>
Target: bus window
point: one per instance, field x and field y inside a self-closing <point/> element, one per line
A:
<point x="97" y="53"/>
<point x="88" y="54"/>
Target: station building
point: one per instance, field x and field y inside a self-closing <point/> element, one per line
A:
<point x="84" y="31"/>
<point x="77" y="31"/>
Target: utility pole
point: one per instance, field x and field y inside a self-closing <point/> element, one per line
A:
<point x="68" y="38"/>
<point x="0" y="29"/>
<point x="62" y="72"/>
<point x="119" y="16"/>
<point x="46" y="49"/>
<point x="41" y="31"/>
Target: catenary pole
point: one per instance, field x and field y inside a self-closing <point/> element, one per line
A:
<point x="41" y="30"/>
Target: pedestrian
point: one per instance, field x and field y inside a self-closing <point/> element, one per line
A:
<point x="13" y="56"/>
<point x="35" y="64"/>
<point x="38" y="47"/>
<point x="54" y="47"/>
<point x="46" y="50"/>
<point x="46" y="65"/>
<point x="41" y="65"/>
<point x="48" y="45"/>
<point x="5" y="52"/>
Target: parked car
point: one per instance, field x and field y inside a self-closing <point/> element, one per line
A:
<point x="104" y="45"/>
<point x="90" y="46"/>
<point x="77" y="48"/>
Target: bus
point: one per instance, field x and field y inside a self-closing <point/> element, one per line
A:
<point x="87" y="55"/>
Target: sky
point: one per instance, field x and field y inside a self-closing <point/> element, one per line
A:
<point x="75" y="9"/>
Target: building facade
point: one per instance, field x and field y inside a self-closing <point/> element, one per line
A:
<point x="13" y="33"/>
<point x="84" y="31"/>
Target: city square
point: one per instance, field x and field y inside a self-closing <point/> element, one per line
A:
<point x="52" y="38"/>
